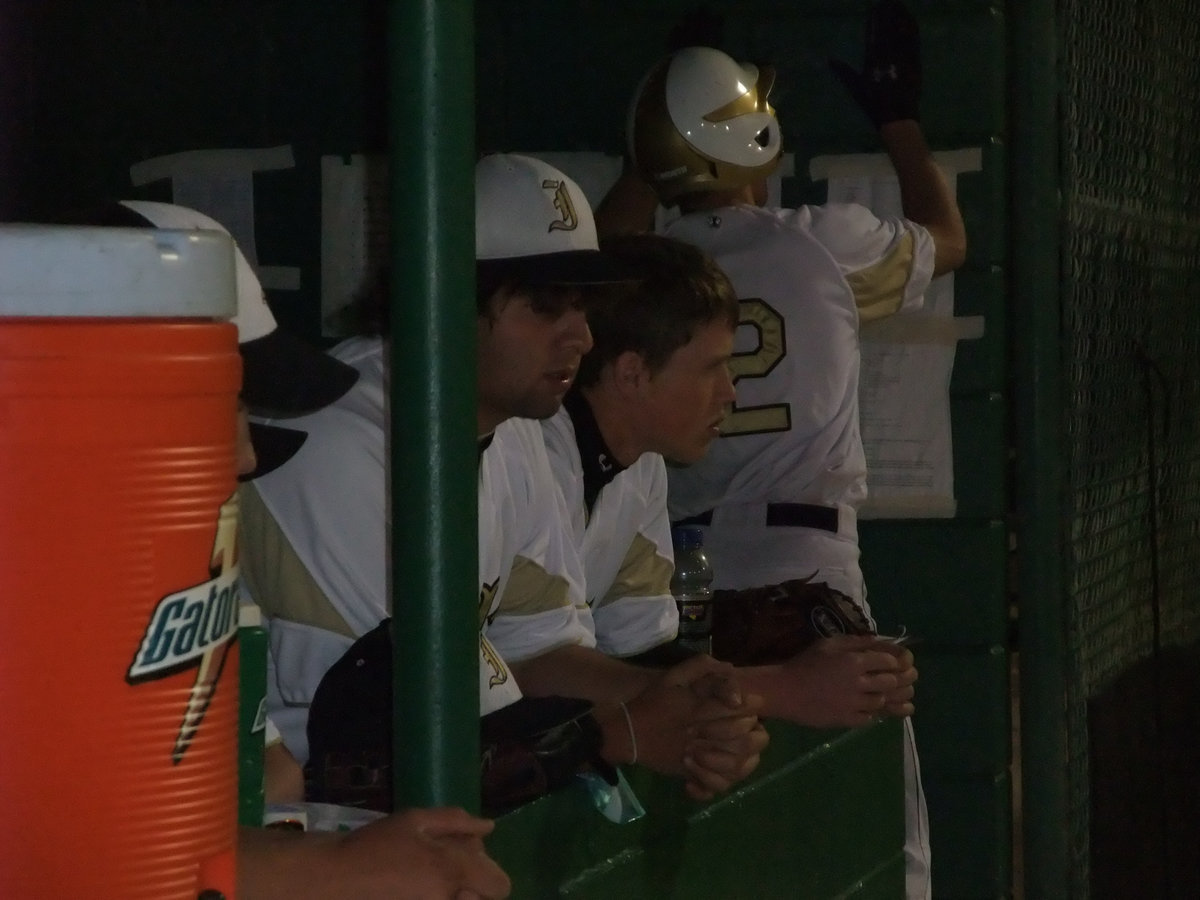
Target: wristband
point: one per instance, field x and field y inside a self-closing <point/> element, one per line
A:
<point x="632" y="736"/>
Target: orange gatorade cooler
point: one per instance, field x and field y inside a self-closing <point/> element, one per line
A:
<point x="118" y="569"/>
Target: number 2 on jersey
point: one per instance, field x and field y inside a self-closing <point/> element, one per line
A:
<point x="757" y="363"/>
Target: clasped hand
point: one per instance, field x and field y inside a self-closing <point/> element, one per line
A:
<point x="694" y="721"/>
<point x="847" y="681"/>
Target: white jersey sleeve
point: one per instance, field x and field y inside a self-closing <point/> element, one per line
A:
<point x="298" y="656"/>
<point x="315" y="538"/>
<point x="329" y="500"/>
<point x="887" y="262"/>
<point x="531" y="583"/>
<point x="624" y="540"/>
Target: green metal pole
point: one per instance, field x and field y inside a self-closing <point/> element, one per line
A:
<point x="1036" y="271"/>
<point x="434" y="465"/>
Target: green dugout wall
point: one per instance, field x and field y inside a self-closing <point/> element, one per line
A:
<point x="1073" y="546"/>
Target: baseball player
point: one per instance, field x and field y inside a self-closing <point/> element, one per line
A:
<point x="656" y="383"/>
<point x="778" y="492"/>
<point x="318" y="527"/>
<point x="412" y="853"/>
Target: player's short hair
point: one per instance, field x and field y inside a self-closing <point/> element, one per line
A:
<point x="549" y="300"/>
<point x="681" y="290"/>
<point x="370" y="310"/>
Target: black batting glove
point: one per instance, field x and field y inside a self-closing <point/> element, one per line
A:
<point x="889" y="86"/>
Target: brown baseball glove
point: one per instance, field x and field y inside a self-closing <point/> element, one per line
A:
<point x="769" y="624"/>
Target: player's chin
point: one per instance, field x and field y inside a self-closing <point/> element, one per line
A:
<point x="687" y="452"/>
<point x="542" y="406"/>
<point x="696" y="449"/>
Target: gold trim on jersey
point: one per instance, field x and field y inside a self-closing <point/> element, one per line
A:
<point x="531" y="590"/>
<point x="643" y="573"/>
<point x="879" y="289"/>
<point x="279" y="581"/>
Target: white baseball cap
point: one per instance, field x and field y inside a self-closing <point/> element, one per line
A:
<point x="281" y="374"/>
<point x="254" y="318"/>
<point x="533" y="226"/>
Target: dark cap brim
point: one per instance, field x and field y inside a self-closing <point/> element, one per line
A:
<point x="580" y="267"/>
<point x="284" y="376"/>
<point x="273" y="446"/>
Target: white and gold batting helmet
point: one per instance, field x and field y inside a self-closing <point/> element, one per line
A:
<point x="700" y="121"/>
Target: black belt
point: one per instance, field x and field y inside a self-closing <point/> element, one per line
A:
<point x="788" y="515"/>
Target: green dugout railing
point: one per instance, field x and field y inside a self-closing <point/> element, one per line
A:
<point x="434" y="546"/>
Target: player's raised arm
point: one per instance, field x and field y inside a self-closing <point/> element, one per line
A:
<point x="628" y="207"/>
<point x="888" y="88"/>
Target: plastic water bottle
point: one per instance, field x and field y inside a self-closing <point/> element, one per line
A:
<point x="691" y="586"/>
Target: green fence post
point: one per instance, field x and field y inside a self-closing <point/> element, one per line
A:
<point x="1037" y="221"/>
<point x="434" y="467"/>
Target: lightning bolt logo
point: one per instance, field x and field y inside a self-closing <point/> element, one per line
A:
<point x="194" y="628"/>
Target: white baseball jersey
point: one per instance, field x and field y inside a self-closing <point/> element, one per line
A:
<point x="619" y="520"/>
<point x="804" y="277"/>
<point x="531" y="595"/>
<point x="317" y="546"/>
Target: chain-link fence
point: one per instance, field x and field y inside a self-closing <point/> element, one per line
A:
<point x="1130" y="191"/>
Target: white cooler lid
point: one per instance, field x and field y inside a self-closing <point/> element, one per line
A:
<point x="73" y="270"/>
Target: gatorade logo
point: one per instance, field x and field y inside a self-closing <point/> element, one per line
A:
<point x="562" y="202"/>
<point x="194" y="628"/>
<point x="186" y="626"/>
